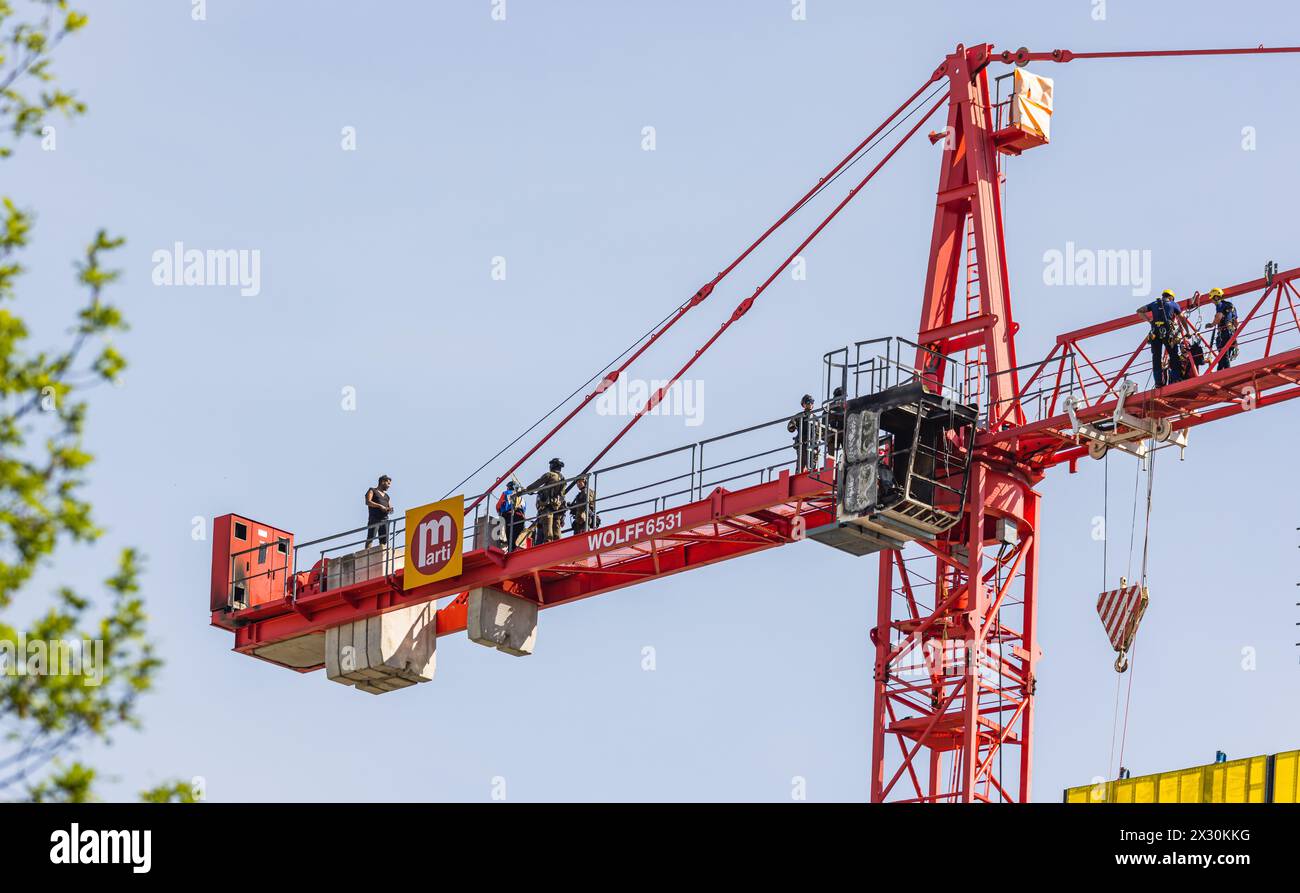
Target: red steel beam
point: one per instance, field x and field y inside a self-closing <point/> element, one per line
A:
<point x="1204" y="387"/>
<point x="282" y="620"/>
<point x="1025" y="56"/>
<point x="1196" y="300"/>
<point x="947" y="333"/>
<point x="1073" y="453"/>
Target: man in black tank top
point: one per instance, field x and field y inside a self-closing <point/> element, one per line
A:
<point x="378" y="508"/>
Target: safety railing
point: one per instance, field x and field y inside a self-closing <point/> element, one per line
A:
<point x="931" y="472"/>
<point x="1004" y="93"/>
<point x="873" y="365"/>
<point x="341" y="559"/>
<point x="1090" y="365"/>
<point x="624" y="490"/>
<point x="687" y="473"/>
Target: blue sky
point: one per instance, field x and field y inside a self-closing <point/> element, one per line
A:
<point x="522" y="139"/>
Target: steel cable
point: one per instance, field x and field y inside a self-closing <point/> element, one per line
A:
<point x="872" y="139"/>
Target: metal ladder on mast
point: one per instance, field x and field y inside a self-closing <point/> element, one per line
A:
<point x="976" y="361"/>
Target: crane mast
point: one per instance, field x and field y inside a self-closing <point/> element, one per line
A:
<point x="967" y="691"/>
<point x="955" y="638"/>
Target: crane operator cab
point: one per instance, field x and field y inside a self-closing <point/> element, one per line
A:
<point x="904" y="470"/>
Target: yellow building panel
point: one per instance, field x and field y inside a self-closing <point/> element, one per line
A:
<point x="1135" y="790"/>
<point x="1239" y="781"/>
<point x="1286" y="777"/>
<point x="1257" y="792"/>
<point x="1216" y="784"/>
<point x="1183" y="785"/>
<point x="1145" y="789"/>
<point x="1090" y="793"/>
<point x="1078" y="795"/>
<point x="1168" y="787"/>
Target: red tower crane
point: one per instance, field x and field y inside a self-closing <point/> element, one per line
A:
<point x="950" y="729"/>
<point x="941" y="442"/>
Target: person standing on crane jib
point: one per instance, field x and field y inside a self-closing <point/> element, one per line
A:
<point x="1162" y="314"/>
<point x="378" y="507"/>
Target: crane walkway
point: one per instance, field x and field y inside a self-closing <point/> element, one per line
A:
<point x="727" y="500"/>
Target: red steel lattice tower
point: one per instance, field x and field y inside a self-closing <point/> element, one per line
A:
<point x="955" y="646"/>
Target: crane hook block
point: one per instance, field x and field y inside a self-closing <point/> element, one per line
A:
<point x="1120" y="611"/>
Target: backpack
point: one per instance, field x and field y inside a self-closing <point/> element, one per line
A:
<point x="1229" y="315"/>
<point x="1228" y="325"/>
<point x="1163" y="312"/>
<point x="504" y="506"/>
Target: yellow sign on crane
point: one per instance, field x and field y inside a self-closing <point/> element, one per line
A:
<point x="435" y="537"/>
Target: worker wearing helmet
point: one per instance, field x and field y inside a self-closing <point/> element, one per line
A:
<point x="1162" y="314"/>
<point x="1224" y="326"/>
<point x="804" y="428"/>
<point x="582" y="508"/>
<point x="510" y="506"/>
<point x="550" y="503"/>
<point x="835" y="423"/>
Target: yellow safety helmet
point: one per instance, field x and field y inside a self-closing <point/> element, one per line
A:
<point x="1169" y="293"/>
<point x="1216" y="293"/>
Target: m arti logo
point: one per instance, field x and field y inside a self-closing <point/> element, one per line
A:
<point x="434" y="542"/>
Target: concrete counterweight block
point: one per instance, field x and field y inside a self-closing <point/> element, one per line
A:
<point x="385" y="652"/>
<point x="357" y="567"/>
<point x="504" y="622"/>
